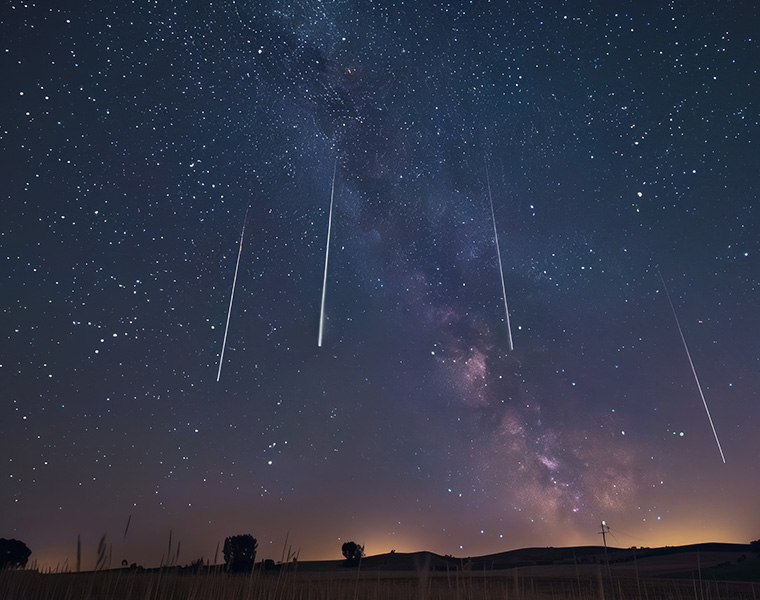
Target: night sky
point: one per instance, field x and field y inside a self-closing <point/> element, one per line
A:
<point x="621" y="148"/>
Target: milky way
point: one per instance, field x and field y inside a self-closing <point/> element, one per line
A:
<point x="135" y="135"/>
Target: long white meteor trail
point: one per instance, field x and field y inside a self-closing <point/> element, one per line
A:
<point x="327" y="256"/>
<point x="498" y="253"/>
<point x="232" y="297"/>
<point x="693" y="370"/>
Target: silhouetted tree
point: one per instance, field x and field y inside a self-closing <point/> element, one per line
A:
<point x="240" y="553"/>
<point x="353" y="553"/>
<point x="755" y="546"/>
<point x="13" y="554"/>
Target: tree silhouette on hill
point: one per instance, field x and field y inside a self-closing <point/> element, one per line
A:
<point x="14" y="554"/>
<point x="353" y="553"/>
<point x="240" y="553"/>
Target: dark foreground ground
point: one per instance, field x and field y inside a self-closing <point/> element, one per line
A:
<point x="702" y="572"/>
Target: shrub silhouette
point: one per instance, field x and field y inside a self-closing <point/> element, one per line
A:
<point x="240" y="553"/>
<point x="353" y="553"/>
<point x="13" y="554"/>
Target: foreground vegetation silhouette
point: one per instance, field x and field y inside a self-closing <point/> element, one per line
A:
<point x="713" y="571"/>
<point x="14" y="554"/>
<point x="240" y="553"/>
<point x="353" y="553"/>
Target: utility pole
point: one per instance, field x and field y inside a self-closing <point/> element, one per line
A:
<point x="605" y="530"/>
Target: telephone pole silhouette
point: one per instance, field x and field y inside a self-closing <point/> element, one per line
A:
<point x="605" y="530"/>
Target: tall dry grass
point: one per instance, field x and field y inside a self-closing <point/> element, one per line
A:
<point x="167" y="584"/>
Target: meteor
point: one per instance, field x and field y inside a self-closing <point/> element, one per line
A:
<point x="327" y="255"/>
<point x="232" y="296"/>
<point x="498" y="253"/>
<point x="693" y="370"/>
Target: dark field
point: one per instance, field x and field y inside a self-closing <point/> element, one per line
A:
<point x="523" y="583"/>
<point x="702" y="572"/>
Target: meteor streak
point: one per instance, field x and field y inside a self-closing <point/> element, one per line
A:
<point x="232" y="296"/>
<point x="693" y="370"/>
<point x="498" y="253"/>
<point x="327" y="255"/>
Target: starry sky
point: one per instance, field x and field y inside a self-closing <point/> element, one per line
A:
<point x="620" y="145"/>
